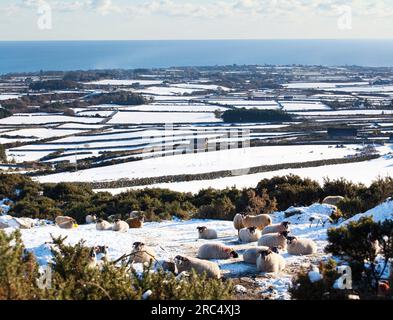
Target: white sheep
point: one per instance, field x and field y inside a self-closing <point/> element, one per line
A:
<point x="276" y="228"/>
<point x="251" y="234"/>
<point x="272" y="240"/>
<point x="216" y="251"/>
<point x="301" y="247"/>
<point x="90" y="219"/>
<point x="187" y="264"/>
<point x="61" y="219"/>
<point x="251" y="254"/>
<point x="120" y="226"/>
<point x="65" y="222"/>
<point x="142" y="253"/>
<point x="333" y="200"/>
<point x="103" y="225"/>
<point x="238" y="222"/>
<point x="205" y="233"/>
<point x="269" y="261"/>
<point x="260" y="221"/>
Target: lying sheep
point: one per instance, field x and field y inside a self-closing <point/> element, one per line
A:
<point x="238" y="222"/>
<point x="251" y="234"/>
<point x="90" y="219"/>
<point x="216" y="251"/>
<point x="269" y="261"/>
<point x="135" y="223"/>
<point x="141" y="253"/>
<point x="120" y="226"/>
<point x="272" y="240"/>
<point x="277" y="228"/>
<point x="169" y="266"/>
<point x="259" y="221"/>
<point x="251" y="254"/>
<point x="205" y="233"/>
<point x="301" y="247"/>
<point x="114" y="217"/>
<point x="187" y="264"/>
<point x="65" y="222"/>
<point x="333" y="200"/>
<point x="103" y="225"/>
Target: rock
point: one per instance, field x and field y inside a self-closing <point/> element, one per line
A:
<point x="240" y="289"/>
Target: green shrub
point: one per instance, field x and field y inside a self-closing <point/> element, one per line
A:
<point x="351" y="207"/>
<point x="303" y="289"/>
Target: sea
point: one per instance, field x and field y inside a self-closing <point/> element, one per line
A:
<point x="33" y="56"/>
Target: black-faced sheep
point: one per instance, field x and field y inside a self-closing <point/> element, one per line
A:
<point x="103" y="225"/>
<point x="187" y="264"/>
<point x="259" y="221"/>
<point x="301" y="247"/>
<point x="272" y="240"/>
<point x="141" y="253"/>
<point x="251" y="234"/>
<point x="205" y="233"/>
<point x="276" y="228"/>
<point x="269" y="261"/>
<point x="120" y="226"/>
<point x="216" y="251"/>
<point x="251" y="254"/>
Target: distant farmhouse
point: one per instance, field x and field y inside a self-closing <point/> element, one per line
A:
<point x="342" y="133"/>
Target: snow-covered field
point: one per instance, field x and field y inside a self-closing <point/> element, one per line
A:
<point x="300" y="106"/>
<point x="163" y="117"/>
<point x="204" y="162"/>
<point x="177" y="108"/>
<point x="125" y="82"/>
<point x="170" y="238"/>
<point x="32" y="119"/>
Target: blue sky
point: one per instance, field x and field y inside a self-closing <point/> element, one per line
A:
<point x="192" y="19"/>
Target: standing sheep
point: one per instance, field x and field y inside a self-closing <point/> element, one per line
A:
<point x="141" y="253"/>
<point x="103" y="225"/>
<point x="272" y="240"/>
<point x="238" y="222"/>
<point x="259" y="221"/>
<point x="120" y="226"/>
<point x="333" y="200"/>
<point x="301" y="247"/>
<point x="135" y="223"/>
<point x="188" y="264"/>
<point x="269" y="261"/>
<point x="277" y="228"/>
<point x="90" y="219"/>
<point x="251" y="234"/>
<point x="205" y="233"/>
<point x="216" y="251"/>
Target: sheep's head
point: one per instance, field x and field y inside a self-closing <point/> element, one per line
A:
<point x="276" y="249"/>
<point x="100" y="221"/>
<point x="286" y="224"/>
<point x="252" y="229"/>
<point x="264" y="253"/>
<point x="101" y="249"/>
<point x="179" y="260"/>
<point x="92" y="253"/>
<point x="116" y="220"/>
<point x="201" y="229"/>
<point x="284" y="234"/>
<point x="141" y="218"/>
<point x="234" y="254"/>
<point x="138" y="245"/>
<point x="290" y="239"/>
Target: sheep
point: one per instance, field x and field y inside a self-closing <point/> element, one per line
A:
<point x="120" y="226"/>
<point x="205" y="233"/>
<point x="259" y="221"/>
<point x="300" y="247"/>
<point x="251" y="234"/>
<point x="142" y="253"/>
<point x="169" y="266"/>
<point x="216" y="251"/>
<point x="135" y="223"/>
<point x="187" y="264"/>
<point x="103" y="225"/>
<point x="276" y="228"/>
<point x="333" y="200"/>
<point x="269" y="261"/>
<point x="92" y="262"/>
<point x="114" y="217"/>
<point x="66" y="222"/>
<point x="238" y="222"/>
<point x="101" y="253"/>
<point x="274" y="240"/>
<point x="251" y="254"/>
<point x="90" y="219"/>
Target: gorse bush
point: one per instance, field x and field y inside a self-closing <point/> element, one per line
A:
<point x="359" y="243"/>
<point x="304" y="289"/>
<point x="72" y="278"/>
